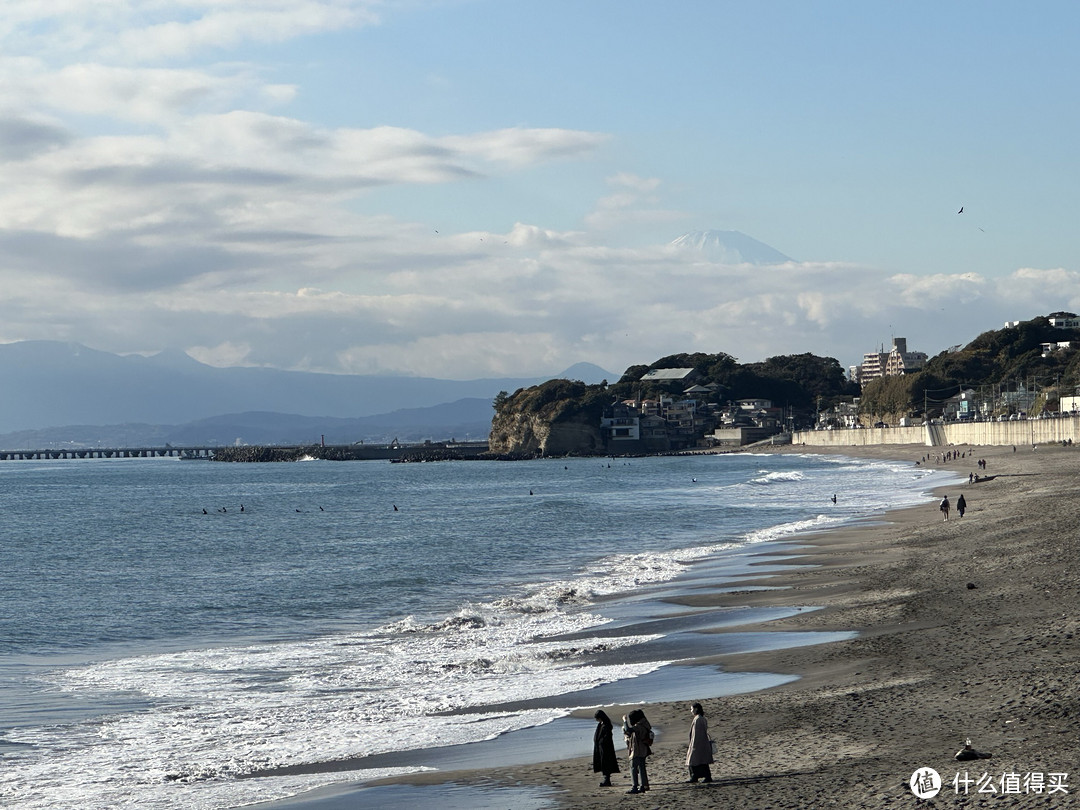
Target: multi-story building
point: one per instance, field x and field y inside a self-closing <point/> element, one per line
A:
<point x="893" y="363"/>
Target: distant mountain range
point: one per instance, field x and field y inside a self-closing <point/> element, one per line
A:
<point x="64" y="393"/>
<point x="729" y="247"/>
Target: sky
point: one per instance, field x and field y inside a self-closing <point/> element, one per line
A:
<point x="486" y="188"/>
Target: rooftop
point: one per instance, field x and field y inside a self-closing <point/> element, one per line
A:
<point x="667" y="374"/>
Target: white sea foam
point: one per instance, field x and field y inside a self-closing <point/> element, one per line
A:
<point x="777" y="477"/>
<point x="416" y="682"/>
<point x="223" y="712"/>
<point x="817" y="523"/>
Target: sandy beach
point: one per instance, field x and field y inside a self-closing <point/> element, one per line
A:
<point x="966" y="629"/>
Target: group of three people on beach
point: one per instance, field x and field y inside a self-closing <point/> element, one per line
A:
<point x="639" y="738"/>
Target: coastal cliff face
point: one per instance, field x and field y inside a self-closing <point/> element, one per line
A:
<point x="531" y="434"/>
<point x="546" y="420"/>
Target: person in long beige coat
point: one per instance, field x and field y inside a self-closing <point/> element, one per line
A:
<point x="699" y="755"/>
<point x="639" y="738"/>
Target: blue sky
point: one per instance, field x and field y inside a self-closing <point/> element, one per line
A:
<point x="468" y="188"/>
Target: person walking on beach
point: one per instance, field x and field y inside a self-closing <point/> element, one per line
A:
<point x="699" y="755"/>
<point x="961" y="505"/>
<point x="604" y="759"/>
<point x="639" y="737"/>
<point x="944" y="507"/>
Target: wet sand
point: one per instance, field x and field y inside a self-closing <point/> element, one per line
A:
<point x="966" y="629"/>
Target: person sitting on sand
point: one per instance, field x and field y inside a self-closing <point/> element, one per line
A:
<point x="944" y="507"/>
<point x="639" y="737"/>
<point x="604" y="759"/>
<point x="699" y="755"/>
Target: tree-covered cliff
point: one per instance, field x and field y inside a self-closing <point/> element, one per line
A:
<point x="563" y="416"/>
<point x="1000" y="359"/>
<point x="554" y="418"/>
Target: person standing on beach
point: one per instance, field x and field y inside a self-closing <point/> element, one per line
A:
<point x="604" y="759"/>
<point x="699" y="755"/>
<point x="961" y="505"/>
<point x="639" y="737"/>
<point x="944" y="507"/>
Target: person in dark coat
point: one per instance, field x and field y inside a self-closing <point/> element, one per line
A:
<point x="699" y="755"/>
<point x="604" y="759"/>
<point x="961" y="505"/>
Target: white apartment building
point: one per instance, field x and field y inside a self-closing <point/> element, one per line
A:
<point x="893" y="363"/>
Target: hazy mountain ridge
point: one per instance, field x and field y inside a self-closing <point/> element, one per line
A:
<point x="464" y="420"/>
<point x="58" y="393"/>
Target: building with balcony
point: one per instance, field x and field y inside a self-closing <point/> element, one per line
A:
<point x="898" y="360"/>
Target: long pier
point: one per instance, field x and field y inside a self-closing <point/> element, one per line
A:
<point x="110" y="452"/>
<point x="425" y="451"/>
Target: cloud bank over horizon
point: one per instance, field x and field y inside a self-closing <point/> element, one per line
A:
<point x="185" y="175"/>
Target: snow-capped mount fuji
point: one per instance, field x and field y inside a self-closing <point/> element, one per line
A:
<point x="729" y="247"/>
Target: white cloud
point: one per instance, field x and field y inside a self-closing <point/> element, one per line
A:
<point x="1029" y="285"/>
<point x="154" y="30"/>
<point x="960" y="288"/>
<point x="148" y="95"/>
<point x="520" y="146"/>
<point x="534" y="306"/>
<point x="634" y="200"/>
<point x="223" y="176"/>
<point x="148" y="201"/>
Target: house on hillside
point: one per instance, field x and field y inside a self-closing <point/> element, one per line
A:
<point x="1064" y="320"/>
<point x="620" y="424"/>
<point x="747" y="421"/>
<point x="657" y="425"/>
<point x="1049" y="348"/>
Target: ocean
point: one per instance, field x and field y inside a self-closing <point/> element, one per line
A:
<point x="171" y="627"/>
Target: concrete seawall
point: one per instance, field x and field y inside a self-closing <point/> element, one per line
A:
<point x="1021" y="433"/>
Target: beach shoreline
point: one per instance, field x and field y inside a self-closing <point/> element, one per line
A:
<point x="965" y="630"/>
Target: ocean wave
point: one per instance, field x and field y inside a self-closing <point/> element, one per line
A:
<point x="795" y="527"/>
<point x="776" y="477"/>
<point x="227" y="711"/>
<point x="215" y="717"/>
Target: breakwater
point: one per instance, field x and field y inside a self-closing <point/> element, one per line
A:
<point x="428" y="451"/>
<point x="108" y="452"/>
